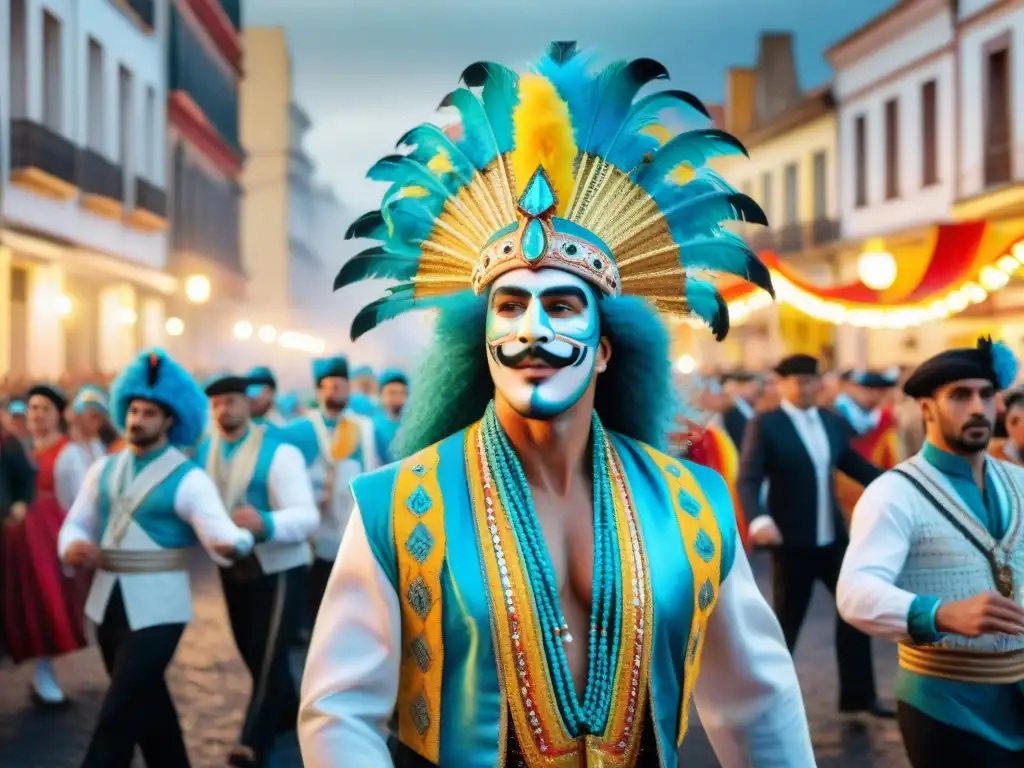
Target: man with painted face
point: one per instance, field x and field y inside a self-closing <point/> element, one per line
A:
<point x="936" y="563"/>
<point x="264" y="485"/>
<point x="338" y="445"/>
<point x="536" y="583"/>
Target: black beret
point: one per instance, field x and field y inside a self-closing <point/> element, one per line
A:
<point x="226" y="384"/>
<point x="993" y="362"/>
<point x="797" y="365"/>
<point x="873" y="379"/>
<point x="54" y="394"/>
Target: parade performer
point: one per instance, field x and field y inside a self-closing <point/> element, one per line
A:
<point x="936" y="563"/>
<point x="337" y="445"/>
<point x="98" y="436"/>
<point x="138" y="514"/>
<point x="43" y="607"/>
<point x="537" y="584"/>
<point x="365" y="388"/>
<point x="394" y="392"/>
<point x="263" y="483"/>
<point x="862" y="404"/>
<point x="262" y="393"/>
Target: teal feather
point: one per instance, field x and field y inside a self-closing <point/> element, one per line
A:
<point x="428" y="140"/>
<point x="411" y="221"/>
<point x="404" y="171"/>
<point x="398" y="301"/>
<point x="705" y="181"/>
<point x="707" y="303"/>
<point x="478" y="141"/>
<point x="629" y="145"/>
<point x="691" y="148"/>
<point x="396" y="194"/>
<point x="500" y="95"/>
<point x="613" y="94"/>
<point x="376" y="263"/>
<point x="369" y="226"/>
<point x="703" y="215"/>
<point x="729" y="254"/>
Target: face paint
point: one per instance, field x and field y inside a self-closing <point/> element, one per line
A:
<point x="543" y="332"/>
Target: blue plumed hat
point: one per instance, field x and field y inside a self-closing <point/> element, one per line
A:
<point x="328" y="367"/>
<point x="393" y="376"/>
<point x="261" y="374"/>
<point x="90" y="396"/>
<point x="155" y="377"/>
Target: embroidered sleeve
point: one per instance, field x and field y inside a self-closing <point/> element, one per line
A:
<point x="83" y="520"/>
<point x="880" y="537"/>
<point x="296" y="516"/>
<point x="350" y="683"/>
<point x="921" y="619"/>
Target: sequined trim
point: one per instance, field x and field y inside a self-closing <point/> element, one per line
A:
<point x="541" y="732"/>
<point x="418" y="519"/>
<point x="702" y="540"/>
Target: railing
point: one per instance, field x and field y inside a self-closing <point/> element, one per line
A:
<point x="192" y="70"/>
<point x="145" y="10"/>
<point x="790" y="238"/>
<point x="150" y="198"/>
<point x="98" y="176"/>
<point x="36" y="146"/>
<point x="205" y="216"/>
<point x="824" y="231"/>
<point x="793" y="238"/>
<point x="998" y="163"/>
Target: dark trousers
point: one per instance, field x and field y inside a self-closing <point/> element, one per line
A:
<point x="319" y="575"/>
<point x="265" y="612"/>
<point x="932" y="744"/>
<point x="137" y="708"/>
<point x="794" y="572"/>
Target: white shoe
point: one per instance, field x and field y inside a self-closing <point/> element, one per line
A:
<point x="45" y="689"/>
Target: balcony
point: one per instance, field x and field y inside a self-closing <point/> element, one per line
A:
<point x="150" y="212"/>
<point x="43" y="161"/>
<point x="794" y="238"/>
<point x="205" y="218"/>
<point x="824" y="232"/>
<point x="998" y="164"/>
<point x="790" y="239"/>
<point x="102" y="184"/>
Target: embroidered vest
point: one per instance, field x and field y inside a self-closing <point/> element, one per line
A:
<point x="942" y="563"/>
<point x="433" y="542"/>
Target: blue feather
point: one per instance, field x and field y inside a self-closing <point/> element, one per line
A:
<point x="569" y="71"/>
<point x="429" y="140"/>
<point x="1004" y="365"/>
<point x="500" y="95"/>
<point x="410" y="220"/>
<point x="704" y="301"/>
<point x="729" y="254"/>
<point x="614" y="91"/>
<point x="400" y="299"/>
<point x="396" y="193"/>
<point x="374" y="263"/>
<point x="478" y="142"/>
<point x="703" y="215"/>
<point x="369" y="226"/>
<point x="406" y="172"/>
<point x="629" y="145"/>
<point x="692" y="148"/>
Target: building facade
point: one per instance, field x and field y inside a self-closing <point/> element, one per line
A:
<point x="83" y="244"/>
<point x="205" y="161"/>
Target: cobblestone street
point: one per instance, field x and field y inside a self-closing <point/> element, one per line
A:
<point x="210" y="685"/>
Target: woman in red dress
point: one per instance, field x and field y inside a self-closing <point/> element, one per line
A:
<point x="44" y="610"/>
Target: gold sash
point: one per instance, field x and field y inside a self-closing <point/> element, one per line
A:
<point x="993" y="668"/>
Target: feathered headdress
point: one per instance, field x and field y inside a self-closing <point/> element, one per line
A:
<point x="559" y="167"/>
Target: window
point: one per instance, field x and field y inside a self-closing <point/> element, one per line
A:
<point x="929" y="134"/>
<point x="766" y="194"/>
<point x="820" y="186"/>
<point x="53" y="96"/>
<point x="96" y="104"/>
<point x="149" y="126"/>
<point x="860" y="160"/>
<point x="892" y="149"/>
<point x="124" y="128"/>
<point x="792" y="194"/>
<point x="19" y="71"/>
<point x="997" y="115"/>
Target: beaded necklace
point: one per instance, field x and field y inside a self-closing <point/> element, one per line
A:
<point x="589" y="716"/>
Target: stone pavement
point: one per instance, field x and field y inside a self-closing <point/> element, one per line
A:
<point x="210" y="686"/>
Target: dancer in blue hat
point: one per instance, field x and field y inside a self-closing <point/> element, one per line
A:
<point x="394" y="392"/>
<point x="137" y="516"/>
<point x="262" y="393"/>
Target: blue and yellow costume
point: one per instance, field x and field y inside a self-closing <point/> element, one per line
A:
<point x="385" y="426"/>
<point x="561" y="168"/>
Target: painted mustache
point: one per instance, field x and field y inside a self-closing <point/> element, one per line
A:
<point x="577" y="355"/>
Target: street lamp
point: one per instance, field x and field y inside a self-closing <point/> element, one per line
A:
<point x="243" y="330"/>
<point x="686" y="364"/>
<point x="197" y="289"/>
<point x="876" y="267"/>
<point x="174" y="326"/>
<point x="267" y="334"/>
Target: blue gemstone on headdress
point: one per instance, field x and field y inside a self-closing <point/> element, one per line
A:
<point x="535" y="241"/>
<point x="538" y="198"/>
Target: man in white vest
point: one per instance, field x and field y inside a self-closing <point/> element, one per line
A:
<point x="135" y="519"/>
<point x="936" y="563"/>
<point x="338" y="445"/>
<point x="264" y="484"/>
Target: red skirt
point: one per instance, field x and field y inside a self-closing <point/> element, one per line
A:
<point x="43" y="609"/>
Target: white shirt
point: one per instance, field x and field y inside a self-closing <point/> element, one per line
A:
<point x="746" y="409"/>
<point x="747" y="694"/>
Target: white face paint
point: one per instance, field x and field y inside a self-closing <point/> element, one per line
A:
<point x="543" y="332"/>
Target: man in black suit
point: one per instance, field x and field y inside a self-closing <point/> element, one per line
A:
<point x="745" y="389"/>
<point x="797" y="448"/>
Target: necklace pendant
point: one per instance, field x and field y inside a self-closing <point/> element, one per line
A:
<point x="1004" y="580"/>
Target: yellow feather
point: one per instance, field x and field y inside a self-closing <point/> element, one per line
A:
<point x="658" y="132"/>
<point x="440" y="163"/>
<point x="683" y="174"/>
<point x="543" y="138"/>
<point x="412" y="192"/>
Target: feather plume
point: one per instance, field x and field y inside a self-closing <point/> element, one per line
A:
<point x="694" y="148"/>
<point x="499" y="95"/>
<point x="704" y="301"/>
<point x="729" y="254"/>
<point x="374" y="263"/>
<point x="543" y="138"/>
<point x="400" y="299"/>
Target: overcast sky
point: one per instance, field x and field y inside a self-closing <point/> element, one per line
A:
<point x="368" y="70"/>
